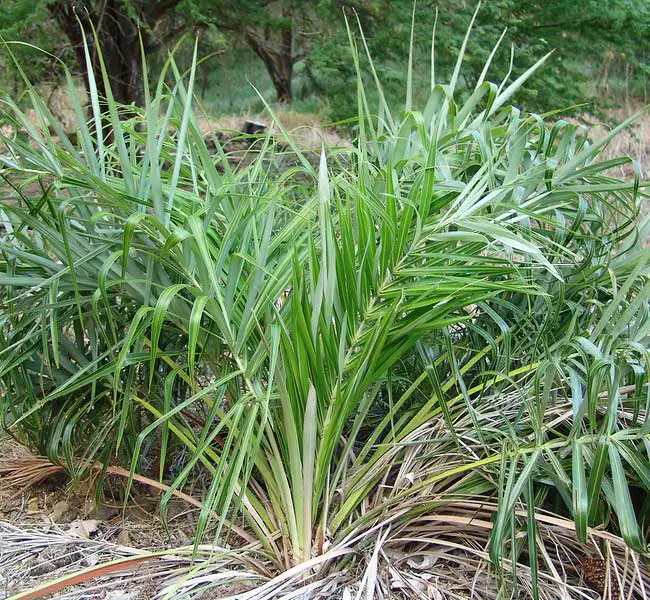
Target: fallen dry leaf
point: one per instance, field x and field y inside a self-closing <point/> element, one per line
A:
<point x="123" y="538"/>
<point x="58" y="510"/>
<point x="84" y="528"/>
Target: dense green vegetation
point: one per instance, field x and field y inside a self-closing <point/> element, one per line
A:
<point x="298" y="50"/>
<point x="432" y="344"/>
<point x="414" y="366"/>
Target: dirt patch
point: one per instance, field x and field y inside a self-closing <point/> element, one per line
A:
<point x="633" y="142"/>
<point x="307" y="130"/>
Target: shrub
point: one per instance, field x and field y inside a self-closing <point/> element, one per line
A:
<point x="419" y="357"/>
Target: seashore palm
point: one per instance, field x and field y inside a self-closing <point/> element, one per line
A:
<point x="418" y="366"/>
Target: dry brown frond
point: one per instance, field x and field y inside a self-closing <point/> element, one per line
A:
<point x="27" y="470"/>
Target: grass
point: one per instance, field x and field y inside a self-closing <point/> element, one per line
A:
<point x="427" y="349"/>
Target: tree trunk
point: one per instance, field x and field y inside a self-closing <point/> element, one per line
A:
<point x="117" y="34"/>
<point x="278" y="61"/>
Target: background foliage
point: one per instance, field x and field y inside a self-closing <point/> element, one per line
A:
<point x="300" y="47"/>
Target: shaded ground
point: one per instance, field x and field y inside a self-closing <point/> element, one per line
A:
<point x="51" y="529"/>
